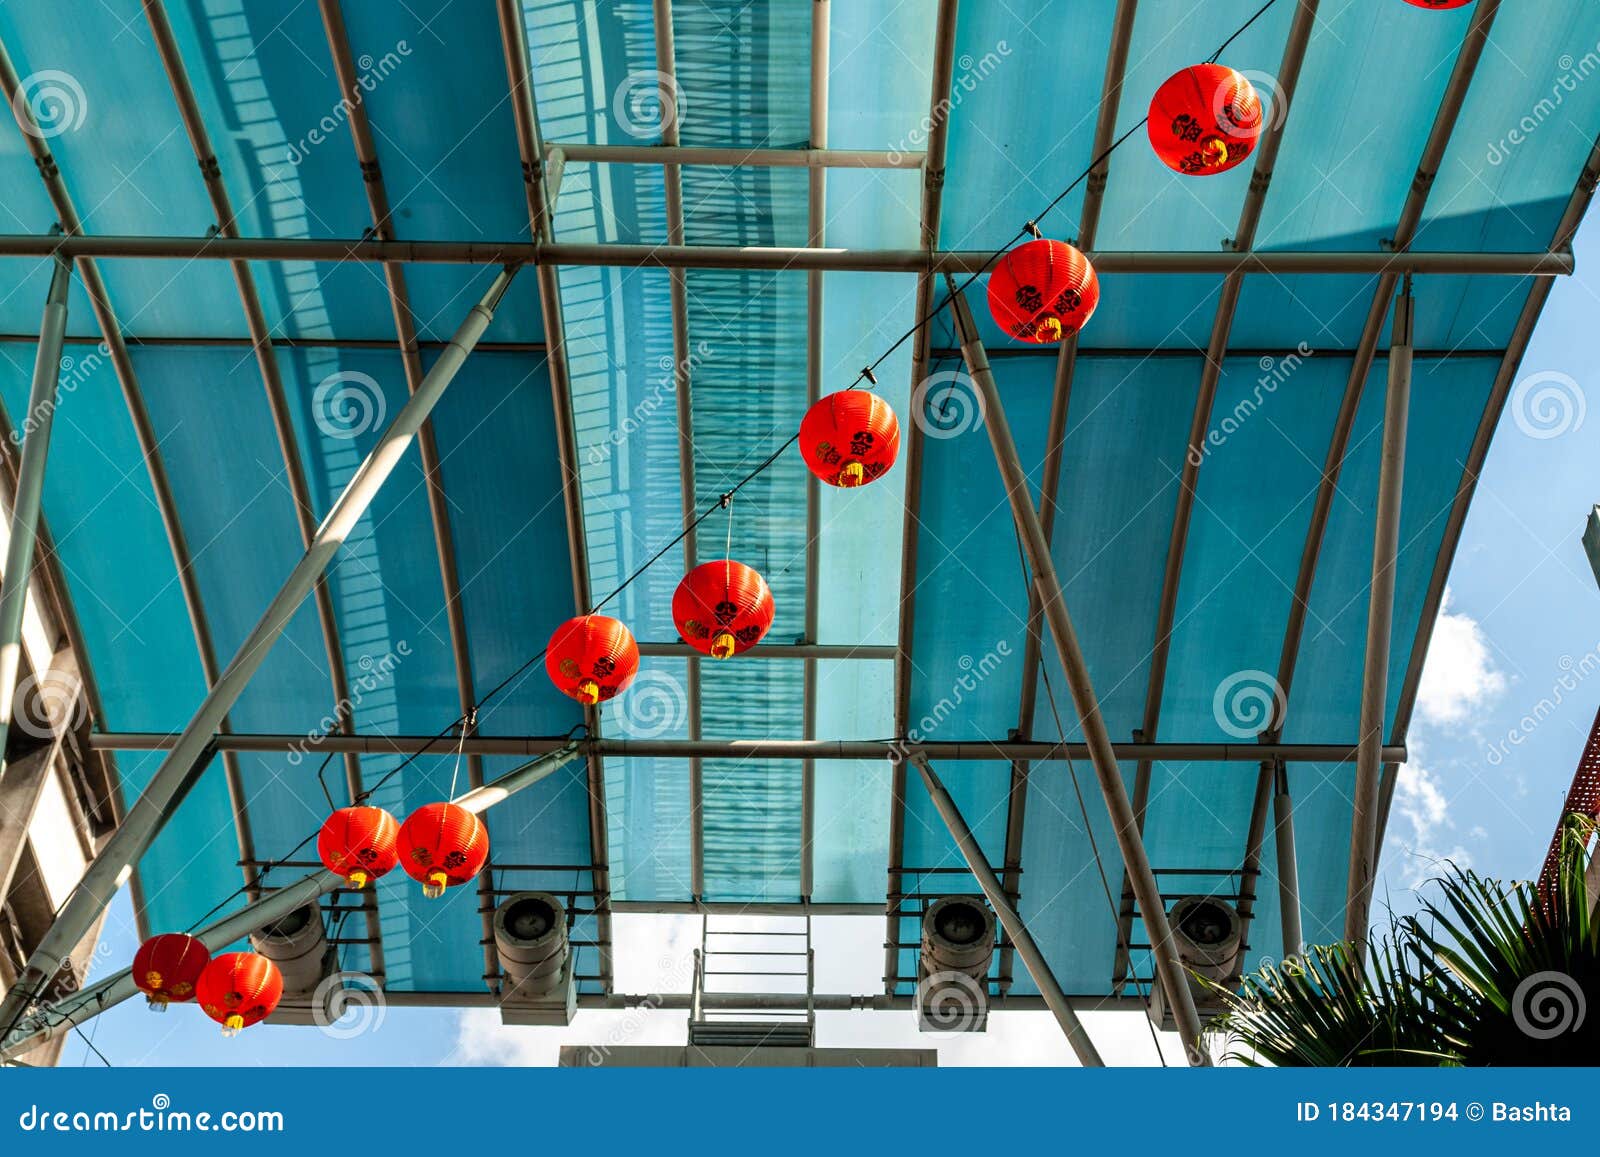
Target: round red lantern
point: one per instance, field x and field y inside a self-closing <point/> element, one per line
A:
<point x="443" y="845"/>
<point x="239" y="989"/>
<point x="591" y="658"/>
<point x="1441" y="4"/>
<point x="850" y="438"/>
<point x="1043" y="291"/>
<point x="167" y="967"/>
<point x="358" y="843"/>
<point x="722" y="608"/>
<point x="1205" y="119"/>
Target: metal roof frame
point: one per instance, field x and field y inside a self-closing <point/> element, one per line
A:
<point x="546" y="254"/>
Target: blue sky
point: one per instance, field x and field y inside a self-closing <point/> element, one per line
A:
<point x="1517" y="653"/>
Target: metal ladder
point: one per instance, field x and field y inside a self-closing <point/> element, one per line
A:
<point x="760" y="957"/>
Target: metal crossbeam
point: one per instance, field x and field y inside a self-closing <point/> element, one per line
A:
<point x="669" y="152"/>
<point x="546" y="254"/>
<point x="754" y="748"/>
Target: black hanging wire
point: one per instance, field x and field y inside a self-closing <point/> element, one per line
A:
<point x="868" y="373"/>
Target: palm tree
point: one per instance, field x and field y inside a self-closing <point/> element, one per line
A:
<point x="1486" y="974"/>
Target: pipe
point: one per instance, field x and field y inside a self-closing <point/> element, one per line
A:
<point x="29" y="493"/>
<point x="1380" y="616"/>
<point x="271" y="908"/>
<point x="753" y="748"/>
<point x="672" y="153"/>
<point x="544" y="253"/>
<point x="1021" y="938"/>
<point x="192" y="749"/>
<point x="944" y="55"/>
<point x="1101" y="752"/>
<point x="816" y="222"/>
<point x="1288" y="865"/>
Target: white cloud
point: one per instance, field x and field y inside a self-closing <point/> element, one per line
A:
<point x="1420" y="803"/>
<point x="1459" y="675"/>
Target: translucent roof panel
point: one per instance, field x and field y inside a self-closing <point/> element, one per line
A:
<point x="1022" y="116"/>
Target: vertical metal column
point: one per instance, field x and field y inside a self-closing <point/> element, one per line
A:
<point x="1380" y="615"/>
<point x="192" y="750"/>
<point x="1288" y="865"/>
<point x="1021" y="938"/>
<point x="1151" y="907"/>
<point x="30" y="488"/>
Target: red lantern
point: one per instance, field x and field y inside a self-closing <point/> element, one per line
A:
<point x="1043" y="291"/>
<point x="442" y="845"/>
<point x="591" y="658"/>
<point x="722" y="608"/>
<point x="167" y="967"/>
<point x="1205" y="120"/>
<point x="849" y="438"/>
<point x="358" y="843"/>
<point x="1439" y="4"/>
<point x="239" y="989"/>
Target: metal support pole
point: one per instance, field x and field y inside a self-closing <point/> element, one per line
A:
<point x="774" y="257"/>
<point x="1021" y="938"/>
<point x="816" y="218"/>
<point x="1152" y="909"/>
<point x="95" y="999"/>
<point x="1380" y="616"/>
<point x="774" y="748"/>
<point x="1288" y="866"/>
<point x="29" y="492"/>
<point x="182" y="767"/>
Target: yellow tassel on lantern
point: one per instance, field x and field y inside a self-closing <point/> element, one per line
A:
<point x="232" y="1025"/>
<point x="853" y="474"/>
<point x="722" y="645"/>
<point x="588" y="692"/>
<point x="357" y="879"/>
<point x="435" y="885"/>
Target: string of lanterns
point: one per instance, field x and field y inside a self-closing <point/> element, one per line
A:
<point x="1203" y="120"/>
